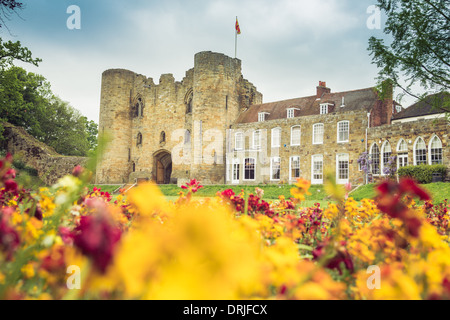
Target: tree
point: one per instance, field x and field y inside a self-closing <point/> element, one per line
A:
<point x="92" y="131"/>
<point x="7" y="8"/>
<point x="26" y="100"/>
<point x="66" y="130"/>
<point x="420" y="47"/>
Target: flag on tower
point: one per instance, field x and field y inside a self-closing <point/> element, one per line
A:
<point x="238" y="30"/>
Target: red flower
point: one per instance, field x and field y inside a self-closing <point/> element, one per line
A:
<point x="390" y="202"/>
<point x="96" y="237"/>
<point x="9" y="238"/>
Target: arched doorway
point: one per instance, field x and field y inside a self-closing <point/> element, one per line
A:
<point x="162" y="167"/>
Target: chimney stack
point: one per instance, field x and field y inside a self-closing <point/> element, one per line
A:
<point x="322" y="89"/>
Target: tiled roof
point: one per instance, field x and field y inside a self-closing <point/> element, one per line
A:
<point x="354" y="100"/>
<point x="424" y="107"/>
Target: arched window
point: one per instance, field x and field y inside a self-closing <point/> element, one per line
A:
<point x="296" y="135"/>
<point x="318" y="133"/>
<point x="343" y="129"/>
<point x="138" y="108"/>
<point x="420" y="152"/>
<point x="189" y="97"/>
<point x="375" y="157"/>
<point x="239" y="141"/>
<point x="276" y="137"/>
<point x="386" y="152"/>
<point x="402" y="154"/>
<point x="187" y="137"/>
<point x="162" y="137"/>
<point x="139" y="139"/>
<point x="435" y="150"/>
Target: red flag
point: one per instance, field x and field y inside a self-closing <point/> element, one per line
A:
<point x="238" y="30"/>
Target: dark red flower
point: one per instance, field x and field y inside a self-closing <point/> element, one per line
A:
<point x="9" y="238"/>
<point x="96" y="237"/>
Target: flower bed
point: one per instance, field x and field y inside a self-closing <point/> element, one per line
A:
<point x="66" y="242"/>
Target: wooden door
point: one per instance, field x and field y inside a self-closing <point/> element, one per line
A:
<point x="159" y="173"/>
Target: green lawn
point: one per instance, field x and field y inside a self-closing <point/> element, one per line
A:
<point x="439" y="192"/>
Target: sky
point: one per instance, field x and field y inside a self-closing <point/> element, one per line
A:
<point x="286" y="46"/>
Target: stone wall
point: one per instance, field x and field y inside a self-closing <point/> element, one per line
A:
<point x="410" y="132"/>
<point x="49" y="164"/>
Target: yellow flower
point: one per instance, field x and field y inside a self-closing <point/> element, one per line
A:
<point x="301" y="189"/>
<point x="28" y="271"/>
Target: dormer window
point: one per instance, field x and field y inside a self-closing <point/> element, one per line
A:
<point x="291" y="112"/>
<point x="262" y="116"/>
<point x="324" y="108"/>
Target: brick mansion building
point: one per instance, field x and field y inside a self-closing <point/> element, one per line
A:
<point x="213" y="126"/>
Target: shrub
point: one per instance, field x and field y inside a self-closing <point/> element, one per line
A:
<point x="423" y="173"/>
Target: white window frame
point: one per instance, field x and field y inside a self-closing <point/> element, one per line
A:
<point x="324" y="108"/>
<point x="239" y="146"/>
<point x="291" y="161"/>
<point x="276" y="143"/>
<point x="338" y="169"/>
<point x="262" y="116"/>
<point x="299" y="135"/>
<point x="402" y="154"/>
<point x="339" y="131"/>
<point x="318" y="125"/>
<point x="313" y="180"/>
<point x="254" y="169"/>
<point x="434" y="137"/>
<point x="372" y="158"/>
<point x="383" y="151"/>
<point x="255" y="133"/>
<point x="272" y="160"/>
<point x="290" y="113"/>
<point x="415" y="150"/>
<point x="235" y="164"/>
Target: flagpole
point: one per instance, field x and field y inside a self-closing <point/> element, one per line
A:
<point x="235" y="41"/>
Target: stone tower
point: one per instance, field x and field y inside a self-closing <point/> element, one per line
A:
<point x="115" y="121"/>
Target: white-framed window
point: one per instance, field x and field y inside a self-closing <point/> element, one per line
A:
<point x="435" y="150"/>
<point x="294" y="168"/>
<point x="257" y="139"/>
<point x="239" y="141"/>
<point x="276" y="137"/>
<point x="342" y="168"/>
<point x="324" y="108"/>
<point x="318" y="130"/>
<point x="402" y="154"/>
<point x="262" y="116"/>
<point x="275" y="168"/>
<point x="375" y="157"/>
<point x="290" y="113"/>
<point x="386" y="152"/>
<point x="317" y="169"/>
<point x="235" y="171"/>
<point x="249" y="169"/>
<point x="420" y="152"/>
<point x="296" y="132"/>
<point x="343" y="131"/>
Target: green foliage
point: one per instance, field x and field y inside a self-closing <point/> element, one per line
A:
<point x="10" y="51"/>
<point x="419" y="49"/>
<point x="27" y="101"/>
<point x="423" y="173"/>
<point x="92" y="132"/>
